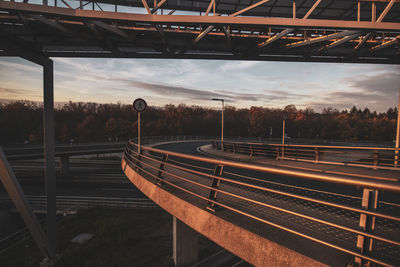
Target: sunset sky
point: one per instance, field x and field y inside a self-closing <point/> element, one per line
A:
<point x="195" y="82"/>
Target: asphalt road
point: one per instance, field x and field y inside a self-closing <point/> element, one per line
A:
<point x="100" y="177"/>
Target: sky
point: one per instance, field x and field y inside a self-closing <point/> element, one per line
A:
<point x="194" y="82"/>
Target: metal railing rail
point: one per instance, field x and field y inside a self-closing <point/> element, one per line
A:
<point x="171" y="170"/>
<point x="18" y="237"/>
<point x="359" y="156"/>
<point x="78" y="202"/>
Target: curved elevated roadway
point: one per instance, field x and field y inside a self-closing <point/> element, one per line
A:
<point x="269" y="216"/>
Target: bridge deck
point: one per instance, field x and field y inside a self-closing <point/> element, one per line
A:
<point x="277" y="209"/>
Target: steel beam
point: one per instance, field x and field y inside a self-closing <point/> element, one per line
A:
<point x="203" y="33"/>
<point x="211" y="27"/>
<point x="249" y="8"/>
<point x="50" y="23"/>
<point x="212" y="4"/>
<point x="202" y="20"/>
<point x="157" y="7"/>
<point x="158" y="27"/>
<point x="110" y="28"/>
<point x="14" y="48"/>
<point x="14" y="190"/>
<point x="320" y="39"/>
<point x="275" y="37"/>
<point x="289" y="30"/>
<point x="380" y="19"/>
<point x="340" y="41"/>
<point x="146" y="6"/>
<point x="386" y="44"/>
<point x="362" y="41"/>
<point x="284" y="57"/>
<point x="386" y="10"/>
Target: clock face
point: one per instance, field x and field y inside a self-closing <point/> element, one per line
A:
<point x="285" y="115"/>
<point x="139" y="105"/>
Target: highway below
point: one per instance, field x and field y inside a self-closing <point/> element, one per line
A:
<point x="100" y="177"/>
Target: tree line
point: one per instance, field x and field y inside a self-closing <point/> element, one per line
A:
<point x="22" y="121"/>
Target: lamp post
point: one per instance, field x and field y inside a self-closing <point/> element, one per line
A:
<point x="222" y="122"/>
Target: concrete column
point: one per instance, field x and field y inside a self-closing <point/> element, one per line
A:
<point x="185" y="244"/>
<point x="64" y="165"/>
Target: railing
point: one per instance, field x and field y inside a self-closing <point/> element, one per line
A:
<point x="309" y="205"/>
<point x="375" y="157"/>
<point x="77" y="202"/>
<point x="18" y="237"/>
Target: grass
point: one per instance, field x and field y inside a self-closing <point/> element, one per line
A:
<point x="122" y="237"/>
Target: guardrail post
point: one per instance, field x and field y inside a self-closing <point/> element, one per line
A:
<point x="215" y="182"/>
<point x="317" y="154"/>
<point x="251" y="151"/>
<point x="367" y="224"/>
<point x="138" y="160"/>
<point x="161" y="169"/>
<point x="376" y="158"/>
<point x="234" y="148"/>
<point x="277" y="152"/>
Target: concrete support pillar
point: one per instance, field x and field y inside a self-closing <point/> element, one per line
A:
<point x="185" y="244"/>
<point x="64" y="165"/>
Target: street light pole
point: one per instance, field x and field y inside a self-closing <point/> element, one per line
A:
<point x="222" y="122"/>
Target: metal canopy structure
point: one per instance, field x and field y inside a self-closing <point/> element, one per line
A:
<point x="364" y="31"/>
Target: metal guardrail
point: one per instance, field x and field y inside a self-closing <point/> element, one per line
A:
<point x="78" y="202"/>
<point x="362" y="226"/>
<point x="371" y="157"/>
<point x="36" y="151"/>
<point x="18" y="237"/>
<point x="67" y="204"/>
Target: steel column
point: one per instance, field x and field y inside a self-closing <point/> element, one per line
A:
<point x="396" y="157"/>
<point x="14" y="190"/>
<point x="49" y="151"/>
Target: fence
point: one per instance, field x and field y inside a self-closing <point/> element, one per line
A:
<point x="39" y="203"/>
<point x="375" y="157"/>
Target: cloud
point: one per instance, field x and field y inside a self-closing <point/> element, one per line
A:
<point x="384" y="83"/>
<point x="166" y="90"/>
<point x="13" y="92"/>
<point x="237" y="65"/>
<point x="22" y="67"/>
<point x="169" y="90"/>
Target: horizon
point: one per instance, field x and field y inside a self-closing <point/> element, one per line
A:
<point x="60" y="105"/>
<point x="194" y="82"/>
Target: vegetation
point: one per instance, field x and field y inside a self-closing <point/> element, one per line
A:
<point x="122" y="237"/>
<point x="82" y="122"/>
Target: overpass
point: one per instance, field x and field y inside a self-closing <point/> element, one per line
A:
<point x="267" y="214"/>
<point x="339" y="31"/>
